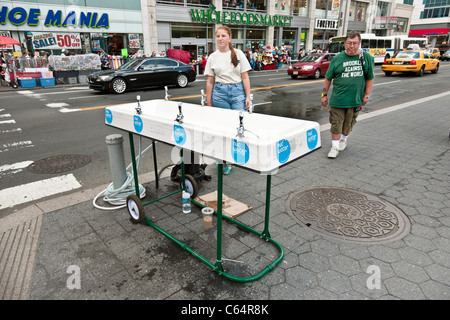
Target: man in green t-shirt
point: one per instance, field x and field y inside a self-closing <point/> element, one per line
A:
<point x="352" y="83"/>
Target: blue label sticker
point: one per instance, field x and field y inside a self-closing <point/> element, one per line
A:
<point x="312" y="138"/>
<point x="138" y="124"/>
<point x="240" y="151"/>
<point x="179" y="134"/>
<point x="283" y="151"/>
<point x="108" y="116"/>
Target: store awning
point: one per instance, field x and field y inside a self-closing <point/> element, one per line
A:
<point x="429" y="32"/>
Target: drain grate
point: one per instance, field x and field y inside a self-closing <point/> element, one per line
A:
<point x="59" y="164"/>
<point x="348" y="215"/>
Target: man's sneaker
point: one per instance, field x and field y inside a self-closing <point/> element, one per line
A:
<point x="342" y="145"/>
<point x="333" y="152"/>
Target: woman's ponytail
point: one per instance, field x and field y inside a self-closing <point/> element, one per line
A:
<point x="234" y="59"/>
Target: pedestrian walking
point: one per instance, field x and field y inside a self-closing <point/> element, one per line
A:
<point x="352" y="74"/>
<point x="228" y="84"/>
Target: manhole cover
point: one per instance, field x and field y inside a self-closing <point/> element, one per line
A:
<point x="59" y="164"/>
<point x="348" y="215"/>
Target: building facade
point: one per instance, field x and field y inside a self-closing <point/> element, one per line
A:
<point x="79" y="26"/>
<point x="84" y="26"/>
<point x="292" y="24"/>
<point x="431" y="18"/>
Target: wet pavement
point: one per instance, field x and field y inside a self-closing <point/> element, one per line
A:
<point x="65" y="249"/>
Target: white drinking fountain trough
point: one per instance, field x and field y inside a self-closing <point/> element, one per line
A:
<point x="257" y="142"/>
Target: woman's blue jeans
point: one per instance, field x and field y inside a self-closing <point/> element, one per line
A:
<point x="228" y="96"/>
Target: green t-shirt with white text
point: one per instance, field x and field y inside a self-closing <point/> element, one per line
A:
<point x="348" y="79"/>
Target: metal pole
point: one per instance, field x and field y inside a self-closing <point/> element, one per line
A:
<point x="155" y="163"/>
<point x="116" y="159"/>
<point x="218" y="264"/>
<point x="133" y="161"/>
<point x="266" y="234"/>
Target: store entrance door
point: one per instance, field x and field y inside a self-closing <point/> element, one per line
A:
<point x="192" y="49"/>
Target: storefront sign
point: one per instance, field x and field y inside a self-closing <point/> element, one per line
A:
<point x="52" y="40"/>
<point x="134" y="41"/>
<point x="326" y="24"/>
<point x="422" y="32"/>
<point x="19" y="16"/>
<point x="386" y="22"/>
<point x="335" y="6"/>
<point x="231" y="17"/>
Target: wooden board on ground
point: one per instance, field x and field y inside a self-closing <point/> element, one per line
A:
<point x="230" y="207"/>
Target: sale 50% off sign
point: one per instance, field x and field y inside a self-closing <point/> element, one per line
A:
<point x="52" y="40"/>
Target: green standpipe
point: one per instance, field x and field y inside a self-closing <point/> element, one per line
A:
<point x="218" y="264"/>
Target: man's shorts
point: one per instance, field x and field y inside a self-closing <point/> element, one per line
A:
<point x="342" y="120"/>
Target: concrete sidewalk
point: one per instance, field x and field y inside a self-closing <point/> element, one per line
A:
<point x="67" y="249"/>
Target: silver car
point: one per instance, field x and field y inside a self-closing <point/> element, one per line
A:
<point x="446" y="55"/>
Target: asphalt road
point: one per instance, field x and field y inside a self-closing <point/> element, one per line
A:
<point x="39" y="123"/>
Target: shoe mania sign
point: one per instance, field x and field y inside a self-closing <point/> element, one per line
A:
<point x="19" y="16"/>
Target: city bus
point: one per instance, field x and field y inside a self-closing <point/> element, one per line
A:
<point x="380" y="47"/>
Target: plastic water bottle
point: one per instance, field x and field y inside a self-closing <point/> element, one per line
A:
<point x="186" y="202"/>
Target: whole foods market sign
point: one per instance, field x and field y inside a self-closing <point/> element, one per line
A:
<point x="211" y="15"/>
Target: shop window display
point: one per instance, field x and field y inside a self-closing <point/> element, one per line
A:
<point x="255" y="33"/>
<point x="282" y="6"/>
<point x="357" y="11"/>
<point x="176" y="2"/>
<point x="115" y="45"/>
<point x="300" y="7"/>
<point x="258" y="5"/>
<point x="189" y="2"/>
<point x="199" y="2"/>
<point x="237" y="33"/>
<point x="190" y="31"/>
<point x="233" y="4"/>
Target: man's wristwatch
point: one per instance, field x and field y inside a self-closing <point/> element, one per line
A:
<point x="324" y="95"/>
<point x="367" y="97"/>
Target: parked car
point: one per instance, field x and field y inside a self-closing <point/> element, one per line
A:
<point x="434" y="52"/>
<point x="414" y="61"/>
<point x="446" y="55"/>
<point x="142" y="73"/>
<point x="313" y="65"/>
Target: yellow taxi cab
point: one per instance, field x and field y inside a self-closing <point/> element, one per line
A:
<point x="414" y="61"/>
<point x="434" y="52"/>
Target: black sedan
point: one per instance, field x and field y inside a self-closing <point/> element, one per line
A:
<point x="141" y="73"/>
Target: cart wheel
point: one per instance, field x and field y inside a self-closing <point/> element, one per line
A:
<point x="191" y="185"/>
<point x="135" y="208"/>
<point x="14" y="85"/>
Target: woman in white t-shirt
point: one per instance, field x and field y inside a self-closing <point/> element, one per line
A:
<point x="228" y="84"/>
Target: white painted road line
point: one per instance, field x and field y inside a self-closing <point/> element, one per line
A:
<point x="66" y="110"/>
<point x="12" y="130"/>
<point x="15" y="166"/>
<point x="62" y="107"/>
<point x="36" y="190"/>
<point x="57" y="105"/>
<point x="7" y="121"/>
<point x="15" y="145"/>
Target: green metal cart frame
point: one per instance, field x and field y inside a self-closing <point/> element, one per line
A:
<point x="217" y="266"/>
